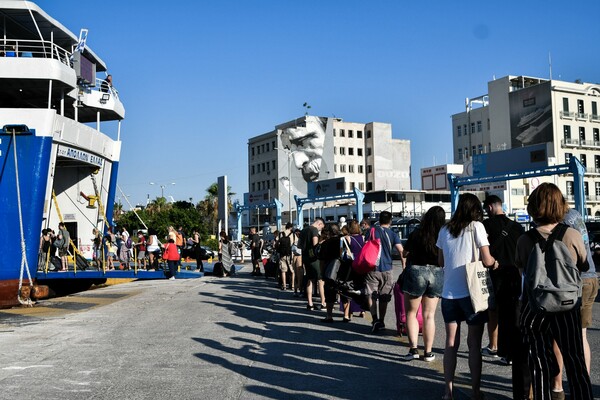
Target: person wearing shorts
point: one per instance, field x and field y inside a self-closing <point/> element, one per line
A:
<point x="380" y="282"/>
<point x="455" y="241"/>
<point x="422" y="282"/>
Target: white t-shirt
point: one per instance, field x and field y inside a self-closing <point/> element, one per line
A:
<point x="457" y="253"/>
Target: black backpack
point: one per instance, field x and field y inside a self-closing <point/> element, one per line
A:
<point x="284" y="248"/>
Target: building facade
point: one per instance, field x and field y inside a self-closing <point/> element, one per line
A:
<point x="520" y="111"/>
<point x="283" y="161"/>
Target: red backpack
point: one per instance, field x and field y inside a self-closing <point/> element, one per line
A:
<point x="370" y="255"/>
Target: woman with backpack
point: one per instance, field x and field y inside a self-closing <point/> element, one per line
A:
<point x="541" y="327"/>
<point x="458" y="240"/>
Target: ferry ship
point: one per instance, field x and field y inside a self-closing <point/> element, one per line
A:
<point x="56" y="164"/>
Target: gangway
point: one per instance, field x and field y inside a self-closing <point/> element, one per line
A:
<point x="273" y="203"/>
<point x="574" y="167"/>
<point x="356" y="194"/>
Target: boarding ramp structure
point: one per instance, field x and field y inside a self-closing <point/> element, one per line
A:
<point x="526" y="162"/>
<point x="247" y="206"/>
<point x="328" y="190"/>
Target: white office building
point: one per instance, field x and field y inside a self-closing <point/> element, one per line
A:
<point x="282" y="162"/>
<point x="520" y="111"/>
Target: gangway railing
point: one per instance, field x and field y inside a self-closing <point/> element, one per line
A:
<point x="34" y="49"/>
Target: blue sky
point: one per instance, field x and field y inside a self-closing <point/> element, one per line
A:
<point x="198" y="78"/>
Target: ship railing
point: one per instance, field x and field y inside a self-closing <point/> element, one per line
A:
<point x="110" y="89"/>
<point x="34" y="49"/>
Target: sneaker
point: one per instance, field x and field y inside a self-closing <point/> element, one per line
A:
<point x="505" y="361"/>
<point x="172" y="278"/>
<point x="428" y="357"/>
<point x="486" y="351"/>
<point x="377" y="326"/>
<point x="413" y="354"/>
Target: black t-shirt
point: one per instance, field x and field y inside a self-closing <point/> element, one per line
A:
<point x="306" y="239"/>
<point x="418" y="254"/>
<point x="503" y="246"/>
<point x="330" y="249"/>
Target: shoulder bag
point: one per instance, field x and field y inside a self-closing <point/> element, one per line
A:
<point x="479" y="282"/>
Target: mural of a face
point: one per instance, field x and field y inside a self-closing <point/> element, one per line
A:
<point x="307" y="145"/>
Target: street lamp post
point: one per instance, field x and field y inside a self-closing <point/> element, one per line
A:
<point x="162" y="188"/>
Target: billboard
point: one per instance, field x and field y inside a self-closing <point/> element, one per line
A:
<point x="307" y="156"/>
<point x="531" y="115"/>
<point x="329" y="187"/>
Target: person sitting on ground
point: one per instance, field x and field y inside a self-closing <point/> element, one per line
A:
<point x="422" y="281"/>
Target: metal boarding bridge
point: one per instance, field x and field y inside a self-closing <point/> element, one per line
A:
<point x="356" y="194"/>
<point x="574" y="167"/>
<point x="275" y="203"/>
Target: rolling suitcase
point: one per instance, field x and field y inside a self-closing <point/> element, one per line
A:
<point x="401" y="312"/>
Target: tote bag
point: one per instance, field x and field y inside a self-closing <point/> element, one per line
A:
<point x="370" y="255"/>
<point x="478" y="279"/>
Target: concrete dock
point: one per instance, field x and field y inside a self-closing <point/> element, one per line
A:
<point x="219" y="338"/>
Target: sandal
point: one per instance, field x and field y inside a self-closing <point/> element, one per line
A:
<point x="346" y="319"/>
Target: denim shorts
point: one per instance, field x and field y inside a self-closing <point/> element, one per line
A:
<point x="458" y="310"/>
<point x="423" y="280"/>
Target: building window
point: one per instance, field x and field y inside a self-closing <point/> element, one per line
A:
<point x="597" y="188"/>
<point x="273" y="183"/>
<point x="488" y="124"/>
<point x="342" y="168"/>
<point x="350" y="151"/>
<point x="334" y="132"/>
<point x="465" y="131"/>
<point x="267" y="146"/>
<point x="342" y="151"/>
<point x="473" y="151"/>
<point x="352" y="186"/>
<point x="586" y="189"/>
<point x="360" y="169"/>
<point x="581" y="133"/>
<point x="466" y="153"/>
<point x="257" y="149"/>
<point x="351" y="168"/>
<point x="253" y="170"/>
<point x="369" y="186"/>
<point x="478" y="126"/>
<point x="342" y="133"/>
<point x="458" y="130"/>
<point x="368" y="151"/>
<point x="580" y="109"/>
<point x="334" y="167"/>
<point x="565" y="104"/>
<point x="369" y="169"/>
<point x="262" y="148"/>
<point x="253" y="187"/>
<point x="480" y="149"/>
<point x="273" y="164"/>
<point x="359" y="152"/>
<point x="350" y="134"/>
<point x="567" y="133"/>
<point x="597" y="163"/>
<point x="273" y="145"/>
<point x="361" y="186"/>
<point x="583" y="159"/>
<point x="268" y="184"/>
<point x="568" y="157"/>
<point x="472" y="127"/>
<point x="570" y="188"/>
<point x="334" y="150"/>
<point x="460" y="154"/>
<point x="517" y="191"/>
<point x="359" y="134"/>
<point x="596" y="134"/>
<point x="594" y="109"/>
<point x="368" y="134"/>
<point x="252" y="151"/>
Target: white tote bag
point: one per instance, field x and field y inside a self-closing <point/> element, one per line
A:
<point x="478" y="279"/>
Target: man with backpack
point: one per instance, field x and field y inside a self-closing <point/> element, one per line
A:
<point x="380" y="282"/>
<point x="284" y="248"/>
<point x="503" y="328"/>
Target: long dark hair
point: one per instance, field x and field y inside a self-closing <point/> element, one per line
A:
<point x="430" y="227"/>
<point x="468" y="210"/>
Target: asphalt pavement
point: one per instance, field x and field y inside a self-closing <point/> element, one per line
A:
<point x="219" y="338"/>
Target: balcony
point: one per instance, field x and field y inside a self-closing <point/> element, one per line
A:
<point x="569" y="143"/>
<point x="567" y="115"/>
<point x="594" y="118"/>
<point x="592" y="171"/>
<point x="582" y="116"/>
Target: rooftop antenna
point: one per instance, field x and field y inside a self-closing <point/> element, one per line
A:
<point x="550" y="64"/>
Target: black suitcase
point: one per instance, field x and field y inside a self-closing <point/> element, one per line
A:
<point x="271" y="269"/>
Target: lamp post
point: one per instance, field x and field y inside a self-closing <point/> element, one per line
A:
<point x="162" y="188"/>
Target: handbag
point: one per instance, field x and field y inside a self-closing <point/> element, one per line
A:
<point x="479" y="282"/>
<point x="331" y="272"/>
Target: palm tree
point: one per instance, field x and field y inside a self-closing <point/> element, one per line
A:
<point x="157" y="205"/>
<point x="210" y="204"/>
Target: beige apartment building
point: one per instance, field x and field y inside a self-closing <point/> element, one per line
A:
<point x="520" y="111"/>
<point x="283" y="161"/>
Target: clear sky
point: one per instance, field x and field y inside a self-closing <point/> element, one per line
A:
<point x="199" y="78"/>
